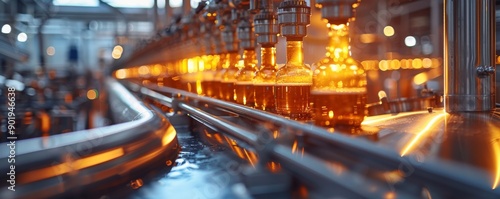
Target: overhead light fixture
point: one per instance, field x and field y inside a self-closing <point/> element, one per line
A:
<point x="6" y="29"/>
<point x="22" y="37"/>
<point x="389" y="31"/>
<point x="410" y="41"/>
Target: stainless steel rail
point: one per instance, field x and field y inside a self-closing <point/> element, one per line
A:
<point x="304" y="166"/>
<point x="234" y="130"/>
<point x="70" y="164"/>
<point x="455" y="180"/>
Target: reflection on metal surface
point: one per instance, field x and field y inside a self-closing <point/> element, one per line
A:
<point x="274" y="167"/>
<point x="390" y="195"/>
<point x="296" y="148"/>
<point x="496" y="152"/>
<point x="420" y="134"/>
<point x="377" y="119"/>
<point x="69" y="166"/>
<point x="169" y="136"/>
<point x="136" y="184"/>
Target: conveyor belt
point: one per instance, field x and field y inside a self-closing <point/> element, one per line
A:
<point x="358" y="158"/>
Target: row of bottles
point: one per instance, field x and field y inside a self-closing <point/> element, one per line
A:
<point x="331" y="92"/>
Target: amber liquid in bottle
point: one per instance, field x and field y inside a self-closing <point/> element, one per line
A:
<point x="265" y="79"/>
<point x="244" y="90"/>
<point x="229" y="78"/>
<point x="221" y="69"/>
<point x="293" y="84"/>
<point x="339" y="84"/>
<point x="210" y="68"/>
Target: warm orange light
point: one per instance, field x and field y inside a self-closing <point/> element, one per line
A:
<point x="377" y="119"/>
<point x="388" y="31"/>
<point x="68" y="98"/>
<point x="92" y="94"/>
<point x="143" y="70"/>
<point x="294" y="146"/>
<point x="496" y="152"/>
<point x="383" y="65"/>
<point x="390" y="195"/>
<point x="121" y="74"/>
<point x="117" y="52"/>
<point x="337" y="27"/>
<point x="191" y="66"/>
<point x="199" y="88"/>
<point x="420" y="78"/>
<point x="218" y="138"/>
<point x="395" y="64"/>
<point x="169" y="136"/>
<point x="416" y="63"/>
<point x="367" y="38"/>
<point x="250" y="157"/>
<point x="275" y="134"/>
<point x="45" y="120"/>
<point x="156" y="69"/>
<point x="436" y="62"/>
<point x="274" y="167"/>
<point x="427" y="63"/>
<point x="405" y="63"/>
<point x="59" y="169"/>
<point x="420" y="134"/>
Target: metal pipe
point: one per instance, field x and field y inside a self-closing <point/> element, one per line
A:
<point x="233" y="130"/>
<point x="469" y="55"/>
<point x="449" y="177"/>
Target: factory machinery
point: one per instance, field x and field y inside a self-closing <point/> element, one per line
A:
<point x="303" y="131"/>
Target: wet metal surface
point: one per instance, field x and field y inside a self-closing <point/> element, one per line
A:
<point x="472" y="139"/>
<point x="200" y="171"/>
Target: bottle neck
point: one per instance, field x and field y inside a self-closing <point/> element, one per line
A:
<point x="268" y="57"/>
<point x="233" y="58"/>
<point x="294" y="53"/>
<point x="338" y="46"/>
<point x="249" y="59"/>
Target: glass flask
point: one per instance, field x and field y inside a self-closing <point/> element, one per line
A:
<point x="338" y="92"/>
<point x="293" y="84"/>
<point x="228" y="78"/>
<point x="265" y="79"/>
<point x="220" y="70"/>
<point x="244" y="91"/>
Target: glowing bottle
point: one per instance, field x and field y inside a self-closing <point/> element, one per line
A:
<point x="294" y="79"/>
<point x="219" y="71"/>
<point x="293" y="84"/>
<point x="229" y="77"/>
<point x="265" y="79"/>
<point x="244" y="91"/>
<point x="339" y="84"/>
<point x="267" y="30"/>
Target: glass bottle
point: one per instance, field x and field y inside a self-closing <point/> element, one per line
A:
<point x="229" y="77"/>
<point x="265" y="79"/>
<point x="210" y="69"/>
<point x="220" y="70"/>
<point x="293" y="84"/>
<point x="339" y="83"/>
<point x="244" y="91"/>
